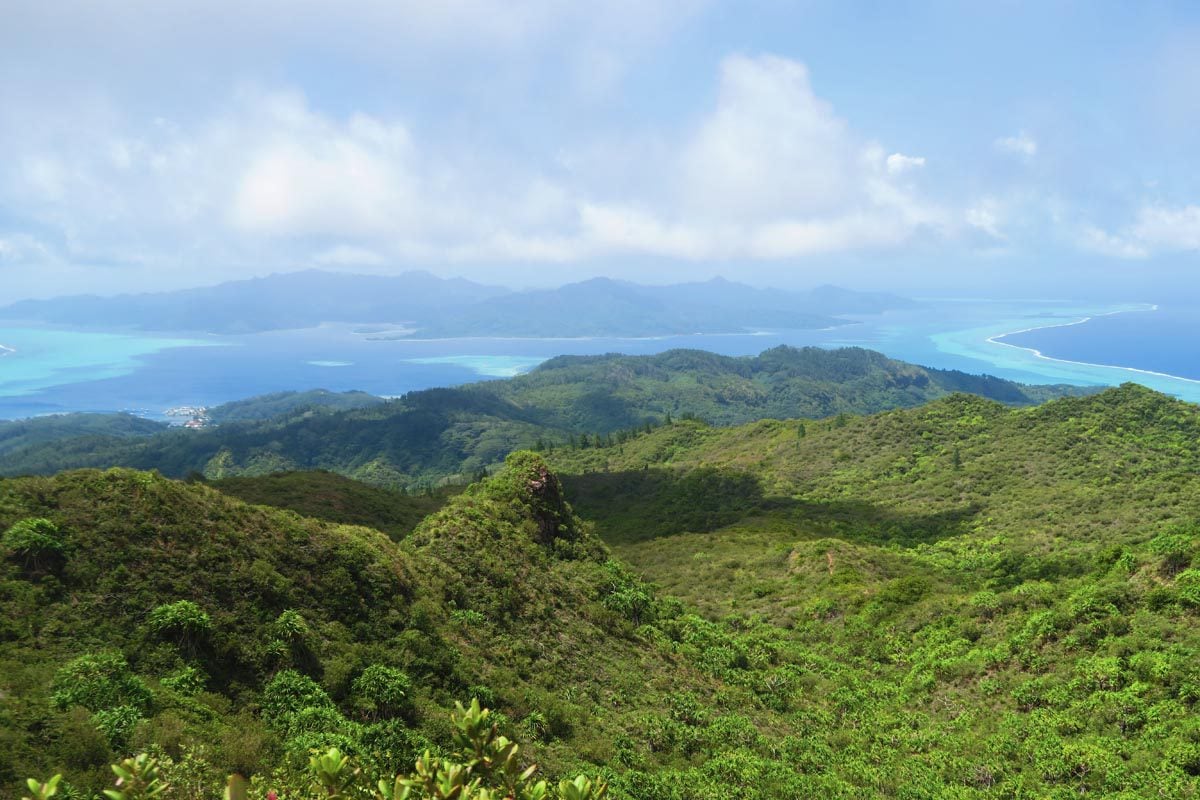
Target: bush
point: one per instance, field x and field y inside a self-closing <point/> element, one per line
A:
<point x="289" y="692"/>
<point x="183" y="621"/>
<point x="483" y="764"/>
<point x="36" y="543"/>
<point x="382" y="692"/>
<point x="187" y="680"/>
<point x="99" y="682"/>
<point x="117" y="724"/>
<point x="1175" y="550"/>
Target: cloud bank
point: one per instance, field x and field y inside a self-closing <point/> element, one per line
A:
<point x="1156" y="230"/>
<point x="769" y="171"/>
<point x="159" y="143"/>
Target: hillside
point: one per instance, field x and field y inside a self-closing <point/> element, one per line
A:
<point x="236" y="637"/>
<point x="453" y="434"/>
<point x="960" y="600"/>
<point x="1029" y="572"/>
<point x="334" y="498"/>
<point x="280" y="404"/>
<point x="26" y="433"/>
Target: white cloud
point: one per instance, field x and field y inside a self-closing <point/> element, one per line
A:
<point x="1022" y="145"/>
<point x="770" y="147"/>
<point x="985" y="215"/>
<point x="769" y="172"/>
<point x="1156" y="229"/>
<point x="315" y="176"/>
<point x="898" y="163"/>
<point x="390" y="27"/>
<point x="1099" y="241"/>
<point x="22" y="249"/>
<point x="1163" y="228"/>
<point x="623" y="228"/>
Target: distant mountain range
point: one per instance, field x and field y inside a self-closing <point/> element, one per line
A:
<point x="276" y="302"/>
<point x="426" y="305"/>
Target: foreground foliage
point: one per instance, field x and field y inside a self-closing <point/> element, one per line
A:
<point x="484" y="765"/>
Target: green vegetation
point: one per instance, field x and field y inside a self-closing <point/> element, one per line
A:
<point x="331" y="497"/>
<point x="484" y="765"/>
<point x="36" y="543"/>
<point x="961" y="600"/>
<point x="451" y="436"/>
<point x="228" y="637"/>
<point x="981" y="601"/>
<point x="290" y="404"/>
<point x="101" y="429"/>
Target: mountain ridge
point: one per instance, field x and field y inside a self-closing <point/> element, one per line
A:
<point x="420" y="303"/>
<point x="438" y="434"/>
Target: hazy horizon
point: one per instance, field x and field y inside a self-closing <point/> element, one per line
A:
<point x="1023" y="149"/>
<point x="947" y="291"/>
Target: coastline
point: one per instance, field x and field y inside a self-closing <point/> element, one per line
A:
<point x="996" y="339"/>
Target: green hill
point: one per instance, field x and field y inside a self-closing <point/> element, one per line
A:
<point x="151" y="613"/>
<point x="960" y="600"/>
<point x="24" y="434"/>
<point x="1026" y="572"/>
<point x="451" y="435"/>
<point x="281" y="404"/>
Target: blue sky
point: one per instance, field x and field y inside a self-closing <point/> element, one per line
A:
<point x="998" y="147"/>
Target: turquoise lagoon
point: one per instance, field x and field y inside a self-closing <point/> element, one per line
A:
<point x="35" y="359"/>
<point x="50" y="370"/>
<point x="486" y="366"/>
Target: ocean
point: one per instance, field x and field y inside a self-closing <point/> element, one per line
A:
<point x="1157" y="340"/>
<point x="47" y="370"/>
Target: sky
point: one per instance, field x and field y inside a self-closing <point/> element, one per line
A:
<point x="1001" y="148"/>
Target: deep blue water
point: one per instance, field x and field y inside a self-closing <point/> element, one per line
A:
<point x="1166" y="341"/>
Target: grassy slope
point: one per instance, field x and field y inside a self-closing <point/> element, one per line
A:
<point x="1024" y="572"/>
